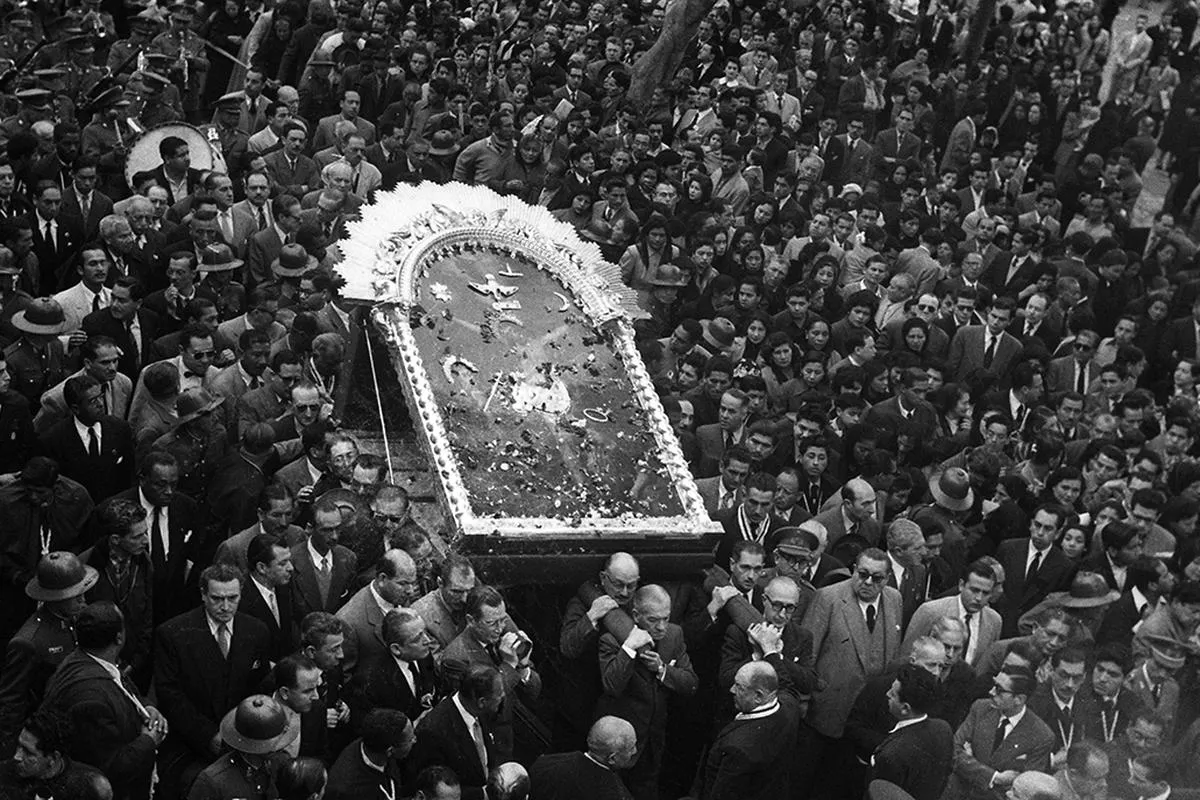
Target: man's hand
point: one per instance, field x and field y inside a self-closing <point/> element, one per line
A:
<point x="77" y="338"/>
<point x="507" y="648"/>
<point x="637" y="639"/>
<point x="766" y="638"/>
<point x="1006" y="778"/>
<point x="652" y="660"/>
<point x="155" y="731"/>
<point x="720" y="596"/>
<point x="600" y="608"/>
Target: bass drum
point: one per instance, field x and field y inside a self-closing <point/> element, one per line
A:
<point x="143" y="154"/>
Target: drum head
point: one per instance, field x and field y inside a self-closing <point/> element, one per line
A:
<point x="143" y="155"/>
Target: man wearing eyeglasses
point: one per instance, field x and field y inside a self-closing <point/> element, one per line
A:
<point x="926" y="308"/>
<point x="779" y="640"/>
<point x="856" y="634"/>
<point x="603" y="604"/>
<point x="1000" y="739"/>
<point x="1075" y="371"/>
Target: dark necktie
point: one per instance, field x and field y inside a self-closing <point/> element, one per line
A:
<point x="50" y="238"/>
<point x="871" y="619"/>
<point x="1001" y="731"/>
<point x="416" y="678"/>
<point x="135" y="350"/>
<point x="262" y="220"/>
<point x="156" y="541"/>
<point x="255" y="382"/>
<point x="989" y="354"/>
<point x="95" y="302"/>
<point x="93" y="443"/>
<point x="494" y="652"/>
<point x="1081" y="379"/>
<point x="967" y="639"/>
<point x="1033" y="568"/>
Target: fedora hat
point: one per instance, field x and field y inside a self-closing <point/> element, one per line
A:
<point x="1088" y="590"/>
<point x="442" y="144"/>
<point x="60" y="576"/>
<point x="719" y="333"/>
<point x="194" y="402"/>
<point x="952" y="489"/>
<point x="258" y="726"/>
<point x="293" y="261"/>
<point x="671" y="276"/>
<point x="218" y="258"/>
<point x="43" y="316"/>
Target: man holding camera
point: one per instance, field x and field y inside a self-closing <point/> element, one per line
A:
<point x="491" y="639"/>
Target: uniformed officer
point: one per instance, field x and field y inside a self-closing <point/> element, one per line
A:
<point x="107" y="139"/>
<point x="234" y="143"/>
<point x="95" y="23"/>
<point x="198" y="441"/>
<point x="82" y="72"/>
<point x="153" y="108"/>
<point x="187" y="52"/>
<point x="46" y="638"/>
<point x="12" y="300"/>
<point x="123" y="55"/>
<point x="19" y="38"/>
<point x="35" y="105"/>
<point x="36" y="361"/>
<point x="258" y="732"/>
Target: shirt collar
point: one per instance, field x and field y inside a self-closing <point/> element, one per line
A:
<point x="266" y="591"/>
<point x="765" y="710"/>
<point x="384" y="605"/>
<point x="317" y="557"/>
<point x="468" y="718"/>
<point x="83" y="429"/>
<point x="1014" y="720"/>
<point x="904" y="723"/>
<point x="213" y="625"/>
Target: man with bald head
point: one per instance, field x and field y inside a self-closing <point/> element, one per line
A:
<point x="778" y="640"/>
<point x="854" y="515"/>
<point x="751" y="756"/>
<point x="1034" y="786"/>
<point x="394" y="586"/>
<point x="597" y="603"/>
<point x="590" y="775"/>
<point x="640" y="674"/>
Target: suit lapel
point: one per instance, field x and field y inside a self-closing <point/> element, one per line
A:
<point x="306" y="573"/>
<point x="856" y="624"/>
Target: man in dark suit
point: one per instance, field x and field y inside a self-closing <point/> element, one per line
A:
<point x="1033" y="567"/>
<point x="905" y="546"/>
<point x="371" y="765"/>
<point x="82" y="193"/>
<point x="1121" y="617"/>
<point x="176" y="167"/>
<point x="1120" y="548"/>
<point x="57" y="238"/>
<point x="987" y="346"/>
<point x="177" y="529"/>
<point x="916" y="754"/>
<point x="457" y="733"/>
<point x="854" y="515"/>
<point x="1109" y="706"/>
<point x="639" y="676"/>
<point x="264" y="246"/>
<point x="324" y="569"/>
<point x="1000" y="739"/>
<point x="1060" y="704"/>
<point x="751" y="519"/>
<point x="908" y="404"/>
<point x="89" y="447"/>
<point x="297" y="680"/>
<point x="1181" y="337"/>
<point x="611" y="747"/>
<point x="206" y="661"/>
<point x="1075" y="372"/>
<point x="1014" y="269"/>
<point x="405" y="679"/>
<point x="132" y="327"/>
<point x="793" y="660"/>
<point x="896" y="145"/>
<point x="114" y="729"/>
<point x="751" y="757"/>
<point x="267" y="597"/>
<point x="295" y="173"/>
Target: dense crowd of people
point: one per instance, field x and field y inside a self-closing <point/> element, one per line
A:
<point x="936" y="374"/>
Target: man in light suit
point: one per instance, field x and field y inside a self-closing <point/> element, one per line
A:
<point x="639" y="676"/>
<point x="855" y="514"/>
<point x="100" y="359"/>
<point x="324" y="135"/>
<point x="1075" y="372"/>
<point x="963" y="137"/>
<point x="324" y="568"/>
<point x="89" y="292"/>
<point x="236" y="226"/>
<point x="1043" y="215"/>
<point x="969" y="350"/>
<point x="779" y="100"/>
<point x="856" y="634"/>
<point x="919" y="262"/>
<point x="724" y="491"/>
<point x="1000" y="739"/>
<point x="394" y="585"/>
<point x="969" y="606"/>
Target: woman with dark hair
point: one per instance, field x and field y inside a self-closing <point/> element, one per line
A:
<point x="952" y="402"/>
<point x="696" y="195"/>
<point x="301" y="779"/>
<point x="823" y="286"/>
<point x="915" y="335"/>
<point x="1064" y="486"/>
<point x="524" y="173"/>
<point x="1074" y="540"/>
<point x="751" y="338"/>
<point x="274" y="44"/>
<point x="878" y="386"/>
<point x="641" y="261"/>
<point x="816" y="338"/>
<point x="857" y="446"/>
<point x="716" y="301"/>
<point x="780" y="361"/>
<point x="761" y="211"/>
<point x="226" y="29"/>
